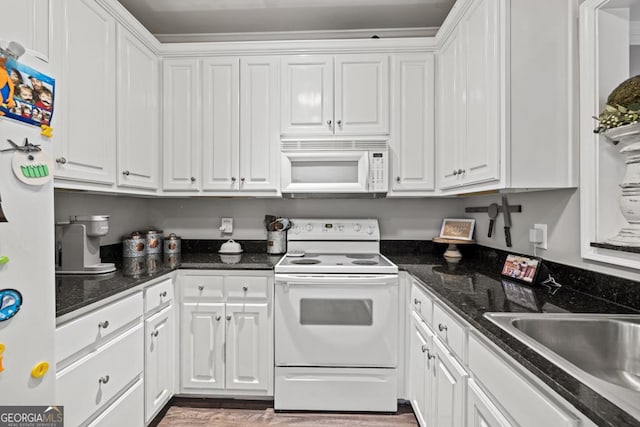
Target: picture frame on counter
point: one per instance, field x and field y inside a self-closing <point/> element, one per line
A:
<point x="458" y="229"/>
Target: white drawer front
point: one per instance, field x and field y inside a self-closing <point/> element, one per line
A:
<point x="421" y="303"/>
<point x="94" y="328"/>
<point x="158" y="295"/>
<point x="78" y="387"/>
<point x="126" y="411"/>
<point x="525" y="403"/>
<point x="450" y="331"/>
<point x="195" y="287"/>
<point x="246" y="287"/>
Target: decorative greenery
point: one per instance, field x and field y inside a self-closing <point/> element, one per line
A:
<point x="623" y="106"/>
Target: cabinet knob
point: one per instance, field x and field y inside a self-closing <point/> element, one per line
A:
<point x="103" y="325"/>
<point x="163" y="294"/>
<point x="397" y="179"/>
<point x="126" y="173"/>
<point x="455" y="172"/>
<point x="103" y="380"/>
<point x="461" y="171"/>
<point x="430" y="356"/>
<point x="193" y="179"/>
<point x="155" y="333"/>
<point x="245" y="288"/>
<point x="229" y="317"/>
<point x="200" y="288"/>
<point x="329" y="122"/>
<point x="242" y="180"/>
<point x="61" y="160"/>
<point x="424" y="349"/>
<point x="416" y="301"/>
<point x="218" y="317"/>
<point x="442" y="327"/>
<point x="233" y="179"/>
<point x="339" y="123"/>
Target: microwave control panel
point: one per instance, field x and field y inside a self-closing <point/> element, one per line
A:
<point x="378" y="171"/>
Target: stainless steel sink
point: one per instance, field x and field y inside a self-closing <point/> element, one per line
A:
<point x="602" y="351"/>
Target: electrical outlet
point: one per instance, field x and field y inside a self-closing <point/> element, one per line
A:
<point x="226" y="225"/>
<point x="543" y="230"/>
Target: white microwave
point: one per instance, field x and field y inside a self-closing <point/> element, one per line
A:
<point x="331" y="168"/>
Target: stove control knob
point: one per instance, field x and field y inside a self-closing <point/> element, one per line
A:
<point x="296" y="230"/>
<point x="357" y="227"/>
<point x="340" y="227"/>
<point x="309" y="227"/>
<point x="369" y="230"/>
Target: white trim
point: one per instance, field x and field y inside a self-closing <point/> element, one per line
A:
<point x="128" y="21"/>
<point x="298" y="35"/>
<point x="635" y="33"/>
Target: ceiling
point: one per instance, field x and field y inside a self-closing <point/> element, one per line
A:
<point x="167" y="18"/>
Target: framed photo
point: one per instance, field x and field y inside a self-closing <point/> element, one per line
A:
<point x="521" y="268"/>
<point x="460" y="229"/>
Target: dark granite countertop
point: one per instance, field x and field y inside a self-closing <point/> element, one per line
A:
<point x="471" y="291"/>
<point x="76" y="292"/>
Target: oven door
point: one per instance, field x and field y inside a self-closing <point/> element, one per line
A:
<point x="325" y="172"/>
<point x="336" y="320"/>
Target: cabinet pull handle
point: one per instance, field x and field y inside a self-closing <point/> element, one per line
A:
<point x="193" y="179"/>
<point x="245" y="288"/>
<point x="103" y="325"/>
<point x="339" y="123"/>
<point x="155" y="333"/>
<point x="103" y="380"/>
<point x="242" y="180"/>
<point x="163" y="294"/>
<point x="397" y="179"/>
<point x="61" y="160"/>
<point x="424" y="349"/>
<point x="416" y="301"/>
<point x="442" y="327"/>
<point x="233" y="179"/>
<point x="455" y="172"/>
<point x="200" y="288"/>
<point x="430" y="356"/>
<point x="126" y="173"/>
<point x="218" y="317"/>
<point x="461" y="171"/>
<point x="329" y="122"/>
<point x="229" y="317"/>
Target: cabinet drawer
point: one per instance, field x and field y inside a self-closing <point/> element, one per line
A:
<point x="529" y="406"/>
<point x="450" y="331"/>
<point x="125" y="411"/>
<point x="117" y="364"/>
<point x="202" y="287"/>
<point x="421" y="303"/>
<point x="158" y="295"/>
<point x="246" y="287"/>
<point x="94" y="328"/>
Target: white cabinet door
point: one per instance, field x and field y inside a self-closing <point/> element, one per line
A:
<point x="248" y="364"/>
<point x="481" y="148"/>
<point x="85" y="117"/>
<point x="449" y="389"/>
<point x="27" y="22"/>
<point x="451" y="115"/>
<point x="361" y="94"/>
<point x="413" y="139"/>
<point x="481" y="412"/>
<point x="418" y="372"/>
<point x="159" y="361"/>
<point x="203" y="334"/>
<point x="220" y="123"/>
<point x="127" y="410"/>
<point x="307" y="95"/>
<point x="259" y="123"/>
<point x="181" y="121"/>
<point x="138" y="113"/>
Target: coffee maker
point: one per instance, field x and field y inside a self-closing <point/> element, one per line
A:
<point x="78" y="244"/>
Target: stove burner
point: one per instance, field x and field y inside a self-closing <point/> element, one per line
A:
<point x="305" y="261"/>
<point x="360" y="256"/>
<point x="364" y="262"/>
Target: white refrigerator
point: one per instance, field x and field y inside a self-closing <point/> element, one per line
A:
<point x="27" y="240"/>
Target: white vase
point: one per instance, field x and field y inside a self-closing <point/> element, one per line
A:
<point x="629" y="138"/>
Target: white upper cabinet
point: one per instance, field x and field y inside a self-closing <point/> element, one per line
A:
<point x="85" y="118"/>
<point x="28" y="23"/>
<point x="137" y="114"/>
<point x="259" y="119"/>
<point x="497" y="77"/>
<point x="181" y="125"/>
<point x="413" y="130"/>
<point x="335" y="95"/>
<point x="220" y="123"/>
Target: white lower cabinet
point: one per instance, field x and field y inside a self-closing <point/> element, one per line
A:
<point x="127" y="410"/>
<point x="449" y="388"/>
<point x="481" y="412"/>
<point x="226" y="333"/>
<point x="159" y="361"/>
<point x="420" y="379"/>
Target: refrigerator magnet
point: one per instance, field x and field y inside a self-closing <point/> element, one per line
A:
<point x="10" y="303"/>
<point x="32" y="168"/>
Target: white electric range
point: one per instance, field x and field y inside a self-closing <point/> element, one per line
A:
<point x="336" y="319"/>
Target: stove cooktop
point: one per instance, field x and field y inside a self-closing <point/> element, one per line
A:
<point x="364" y="263"/>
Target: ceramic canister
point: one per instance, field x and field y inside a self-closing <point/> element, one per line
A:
<point x="134" y="245"/>
<point x="172" y="244"/>
<point x="154" y="241"/>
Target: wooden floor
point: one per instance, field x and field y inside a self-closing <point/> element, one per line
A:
<point x="200" y="413"/>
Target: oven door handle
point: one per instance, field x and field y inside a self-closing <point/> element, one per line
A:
<point x="370" y="280"/>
